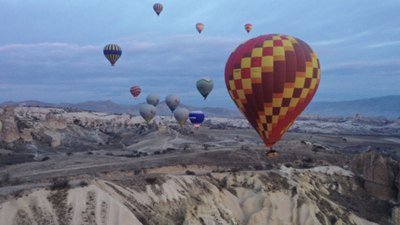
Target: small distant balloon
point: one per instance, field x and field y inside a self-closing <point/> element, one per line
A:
<point x="112" y="52"/>
<point x="153" y="99"/>
<point x="248" y="27"/>
<point x="172" y="102"/>
<point x="197" y="118"/>
<point x="199" y="27"/>
<point x="147" y="111"/>
<point x="135" y="91"/>
<point x="158" y="8"/>
<point x="204" y="86"/>
<point x="181" y="115"/>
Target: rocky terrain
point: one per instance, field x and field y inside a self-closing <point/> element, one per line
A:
<point x="65" y="166"/>
<point x="282" y="196"/>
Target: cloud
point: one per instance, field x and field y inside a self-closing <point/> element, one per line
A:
<point x="46" y="46"/>
<point x="341" y="40"/>
<point x="383" y="44"/>
<point x="362" y="64"/>
<point x="170" y="64"/>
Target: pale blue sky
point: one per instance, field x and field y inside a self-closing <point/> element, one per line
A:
<point x="51" y="50"/>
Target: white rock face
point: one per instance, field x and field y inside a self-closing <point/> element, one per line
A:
<point x="10" y="131"/>
<point x="73" y="129"/>
<point x="88" y="205"/>
<point x="289" y="197"/>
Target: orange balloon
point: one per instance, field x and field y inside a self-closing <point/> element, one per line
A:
<point x="199" y="27"/>
<point x="271" y="79"/>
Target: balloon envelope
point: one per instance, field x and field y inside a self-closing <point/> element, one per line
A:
<point x="158" y="7"/>
<point x="199" y="27"/>
<point x="204" y="86"/>
<point x="135" y="91"/>
<point x="153" y="99"/>
<point x="112" y="52"/>
<point x="181" y="115"/>
<point x="197" y="118"/>
<point x="248" y="27"/>
<point x="172" y="102"/>
<point x="271" y="79"/>
<point x="147" y="111"/>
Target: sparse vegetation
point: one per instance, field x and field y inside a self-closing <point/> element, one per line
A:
<point x="151" y="180"/>
<point x="5" y="179"/>
<point x="189" y="172"/>
<point x="18" y="194"/>
<point x="45" y="158"/>
<point x="59" y="184"/>
<point x="83" y="183"/>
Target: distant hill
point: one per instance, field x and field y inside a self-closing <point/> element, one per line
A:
<point x="387" y="106"/>
<point x="112" y="107"/>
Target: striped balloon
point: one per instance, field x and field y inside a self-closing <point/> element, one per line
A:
<point x="158" y="7"/>
<point x="112" y="53"/>
<point x="135" y="91"/>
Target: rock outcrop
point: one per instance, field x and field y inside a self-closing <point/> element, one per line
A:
<point x="285" y="196"/>
<point x="10" y="131"/>
<point x="379" y="173"/>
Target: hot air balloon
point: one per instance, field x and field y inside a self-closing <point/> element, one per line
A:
<point x="158" y="7"/>
<point x="172" y="102"/>
<point x="248" y="27"/>
<point x="135" y="91"/>
<point x="181" y="115"/>
<point x="204" y="86"/>
<point x="112" y="53"/>
<point x="147" y="111"/>
<point x="153" y="99"/>
<point x="271" y="79"/>
<point x="199" y="27"/>
<point x="197" y="118"/>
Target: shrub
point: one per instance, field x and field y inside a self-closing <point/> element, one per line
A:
<point x="83" y="183"/>
<point x="45" y="159"/>
<point x="151" y="180"/>
<point x="5" y="178"/>
<point x="59" y="184"/>
<point x="189" y="172"/>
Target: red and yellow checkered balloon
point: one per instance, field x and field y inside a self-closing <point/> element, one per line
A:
<point x="271" y="79"/>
